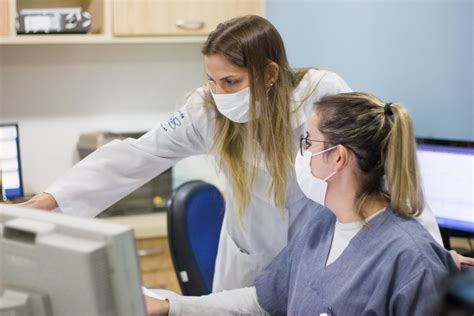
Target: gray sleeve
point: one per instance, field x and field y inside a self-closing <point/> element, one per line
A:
<point x="417" y="297"/>
<point x="234" y="302"/>
<point x="273" y="283"/>
<point x="120" y="167"/>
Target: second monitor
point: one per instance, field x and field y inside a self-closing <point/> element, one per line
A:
<point x="54" y="264"/>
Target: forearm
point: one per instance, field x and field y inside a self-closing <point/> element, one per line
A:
<point x="104" y="177"/>
<point x="235" y="302"/>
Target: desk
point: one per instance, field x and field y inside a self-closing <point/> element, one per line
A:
<point x="461" y="244"/>
<point x="152" y="247"/>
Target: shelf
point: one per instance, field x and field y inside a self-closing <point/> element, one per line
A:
<point x="128" y="21"/>
<point x="94" y="39"/>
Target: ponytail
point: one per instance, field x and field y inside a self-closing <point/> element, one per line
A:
<point x="401" y="169"/>
<point x="381" y="138"/>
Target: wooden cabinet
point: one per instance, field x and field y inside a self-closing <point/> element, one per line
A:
<point x="131" y="21"/>
<point x="156" y="266"/>
<point x="177" y="17"/>
<point x="3" y="17"/>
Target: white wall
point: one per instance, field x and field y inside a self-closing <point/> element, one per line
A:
<point x="417" y="52"/>
<point x="57" y="92"/>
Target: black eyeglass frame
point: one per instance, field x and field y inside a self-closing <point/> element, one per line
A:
<point x="307" y="143"/>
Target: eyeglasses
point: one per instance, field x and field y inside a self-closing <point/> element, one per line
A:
<point x="305" y="142"/>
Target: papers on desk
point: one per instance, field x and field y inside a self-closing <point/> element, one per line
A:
<point x="150" y="293"/>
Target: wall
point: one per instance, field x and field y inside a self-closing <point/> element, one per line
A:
<point x="418" y="52"/>
<point x="57" y="92"/>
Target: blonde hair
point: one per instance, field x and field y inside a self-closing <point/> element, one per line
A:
<point x="381" y="137"/>
<point x="251" y="42"/>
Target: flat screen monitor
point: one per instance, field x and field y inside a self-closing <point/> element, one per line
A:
<point x="447" y="172"/>
<point x="10" y="163"/>
<point x="55" y="264"/>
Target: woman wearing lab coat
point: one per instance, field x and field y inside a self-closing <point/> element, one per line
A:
<point x="249" y="117"/>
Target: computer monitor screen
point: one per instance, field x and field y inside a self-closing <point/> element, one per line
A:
<point x="10" y="165"/>
<point x="54" y="264"/>
<point x="447" y="172"/>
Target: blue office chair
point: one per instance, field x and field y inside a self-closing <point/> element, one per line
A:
<point x="195" y="214"/>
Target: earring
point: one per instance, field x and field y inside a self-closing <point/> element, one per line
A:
<point x="269" y="86"/>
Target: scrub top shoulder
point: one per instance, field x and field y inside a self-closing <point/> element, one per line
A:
<point x="391" y="267"/>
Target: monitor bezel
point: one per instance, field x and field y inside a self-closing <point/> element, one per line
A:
<point x="458" y="146"/>
<point x="115" y="240"/>
<point x="444" y="142"/>
<point x="20" y="171"/>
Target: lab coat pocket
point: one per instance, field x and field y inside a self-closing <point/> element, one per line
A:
<point x="238" y="268"/>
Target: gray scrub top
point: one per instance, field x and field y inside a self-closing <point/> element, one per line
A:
<point x="391" y="267"/>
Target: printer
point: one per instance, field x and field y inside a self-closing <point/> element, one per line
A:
<point x="151" y="197"/>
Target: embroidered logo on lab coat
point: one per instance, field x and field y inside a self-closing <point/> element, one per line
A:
<point x="173" y="122"/>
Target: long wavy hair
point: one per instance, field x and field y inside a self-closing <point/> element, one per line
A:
<point x="252" y="42"/>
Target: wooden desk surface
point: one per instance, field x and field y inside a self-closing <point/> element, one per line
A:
<point x="145" y="226"/>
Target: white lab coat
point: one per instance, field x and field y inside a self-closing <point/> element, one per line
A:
<point x="120" y="167"/>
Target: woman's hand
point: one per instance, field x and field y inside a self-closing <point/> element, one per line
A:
<point x="458" y="259"/>
<point x="156" y="307"/>
<point x="42" y="201"/>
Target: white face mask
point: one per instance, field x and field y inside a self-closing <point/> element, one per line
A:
<point x="234" y="106"/>
<point x="313" y="187"/>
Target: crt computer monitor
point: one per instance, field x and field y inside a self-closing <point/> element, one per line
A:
<point x="447" y="174"/>
<point x="55" y="264"/>
<point x="10" y="163"/>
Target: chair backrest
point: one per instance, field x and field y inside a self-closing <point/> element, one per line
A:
<point x="195" y="214"/>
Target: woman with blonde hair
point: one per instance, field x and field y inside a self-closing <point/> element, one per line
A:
<point x="249" y="117"/>
<point x="365" y="254"/>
